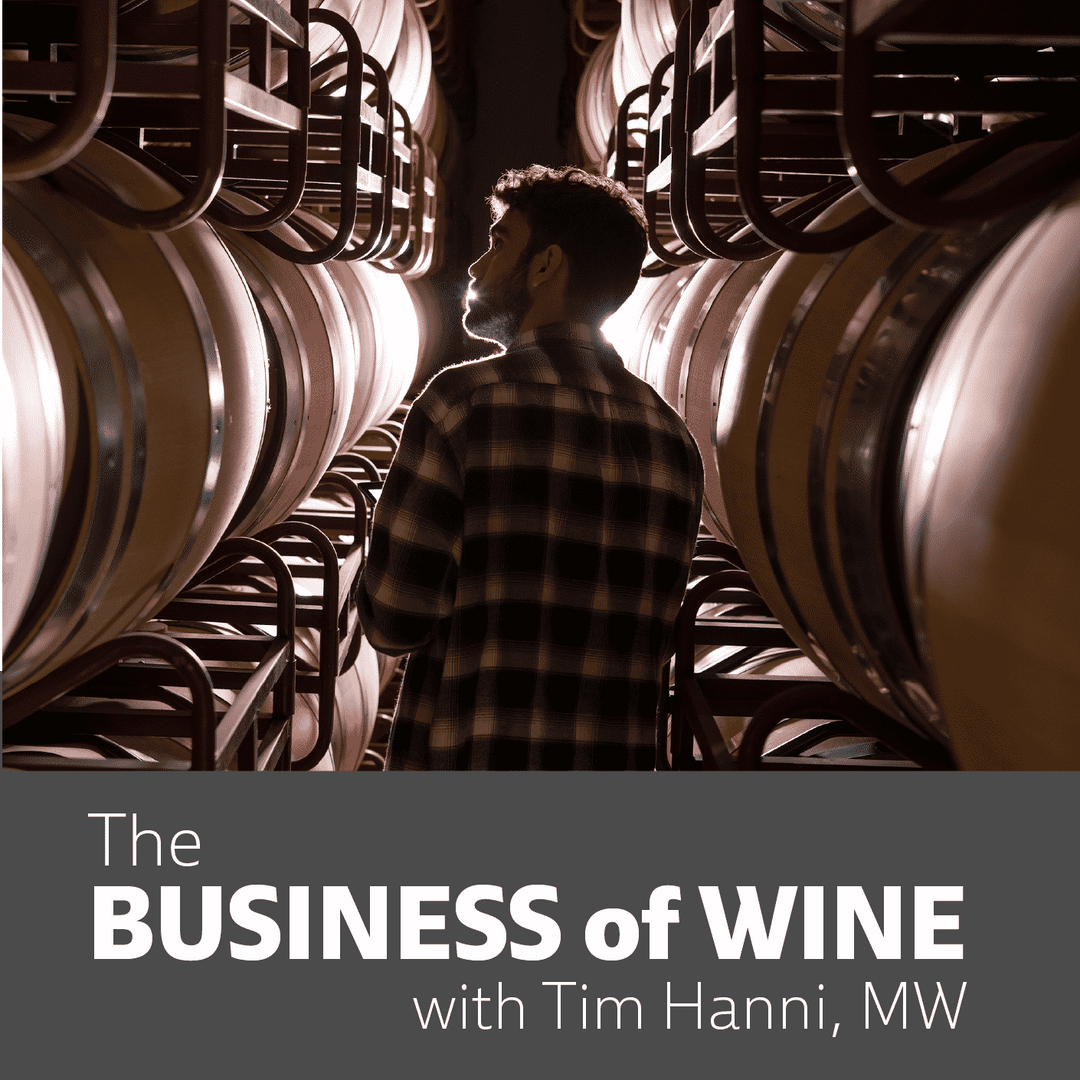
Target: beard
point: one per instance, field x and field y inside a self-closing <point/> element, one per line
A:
<point x="496" y="315"/>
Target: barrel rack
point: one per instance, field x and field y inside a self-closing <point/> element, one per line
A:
<point x="328" y="138"/>
<point x="237" y="119"/>
<point x="219" y="668"/>
<point x="795" y="722"/>
<point x="756" y="122"/>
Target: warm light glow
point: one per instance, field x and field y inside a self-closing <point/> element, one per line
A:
<point x="399" y="334"/>
<point x="632" y="328"/>
<point x="33" y="435"/>
<point x="620" y="328"/>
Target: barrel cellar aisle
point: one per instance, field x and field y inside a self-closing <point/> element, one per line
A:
<point x="236" y="238"/>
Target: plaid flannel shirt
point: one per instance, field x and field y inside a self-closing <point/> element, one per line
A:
<point x="530" y="550"/>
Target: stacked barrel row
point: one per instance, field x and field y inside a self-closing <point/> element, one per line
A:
<point x="167" y="390"/>
<point x="392" y="32"/>
<point x="623" y="60"/>
<point x="887" y="441"/>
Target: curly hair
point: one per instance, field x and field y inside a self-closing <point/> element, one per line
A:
<point x="598" y="224"/>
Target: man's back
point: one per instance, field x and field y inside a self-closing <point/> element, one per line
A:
<point x="531" y="549"/>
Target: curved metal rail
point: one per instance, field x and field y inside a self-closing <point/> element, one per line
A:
<point x="94" y="79"/>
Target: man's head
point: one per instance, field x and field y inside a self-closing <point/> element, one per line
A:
<point x="563" y="238"/>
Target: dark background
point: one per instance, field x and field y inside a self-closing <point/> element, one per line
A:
<point x="519" y="55"/>
<point x="512" y="91"/>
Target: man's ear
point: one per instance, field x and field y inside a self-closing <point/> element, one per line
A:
<point x="547" y="265"/>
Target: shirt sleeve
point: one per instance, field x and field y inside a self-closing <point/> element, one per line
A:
<point x="409" y="579"/>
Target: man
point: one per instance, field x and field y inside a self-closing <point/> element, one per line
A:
<point x="534" y="535"/>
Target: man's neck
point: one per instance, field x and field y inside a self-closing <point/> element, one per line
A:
<point x="550" y="307"/>
<point x="581" y="332"/>
<point x="535" y="320"/>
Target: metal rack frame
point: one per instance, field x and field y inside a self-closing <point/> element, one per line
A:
<point x="768" y="700"/>
<point x="140" y="91"/>
<point x="145" y="666"/>
<point x="207" y="130"/>
<point x="748" y="146"/>
<point x="246" y="584"/>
